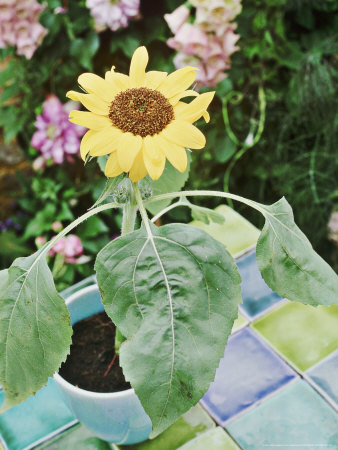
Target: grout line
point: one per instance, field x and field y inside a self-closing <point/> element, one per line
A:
<point x="259" y="402"/>
<point x="52" y="435"/>
<point x="321" y="392"/>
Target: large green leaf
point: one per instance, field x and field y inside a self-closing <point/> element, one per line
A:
<point x="288" y="263"/>
<point x="174" y="296"/>
<point x="35" y="331"/>
<point x="170" y="181"/>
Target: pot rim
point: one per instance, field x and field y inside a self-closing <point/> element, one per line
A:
<point x="72" y="298"/>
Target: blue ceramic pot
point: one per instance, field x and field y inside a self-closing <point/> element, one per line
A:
<point x="117" y="417"/>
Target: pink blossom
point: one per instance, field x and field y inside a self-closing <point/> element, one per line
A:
<point x="190" y="39"/>
<point x="56" y="137"/>
<point x="40" y="241"/>
<point x="217" y="13"/>
<point x="20" y="27"/>
<point x="57" y="226"/>
<point x="333" y="227"/>
<point x="177" y="18"/>
<point x="70" y="247"/>
<point x="113" y="15"/>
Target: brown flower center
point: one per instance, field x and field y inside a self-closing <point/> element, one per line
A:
<point x="141" y="111"/>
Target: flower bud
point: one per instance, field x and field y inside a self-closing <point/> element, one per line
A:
<point x="57" y="226"/>
<point x="40" y="241"/>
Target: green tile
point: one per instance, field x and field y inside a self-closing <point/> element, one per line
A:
<point x="302" y="334"/>
<point x="78" y="438"/>
<point x="187" y="427"/>
<point x="239" y="323"/>
<point x="236" y="233"/>
<point x="296" y="418"/>
<point x="215" y="439"/>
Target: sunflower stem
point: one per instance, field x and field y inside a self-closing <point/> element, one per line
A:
<point x="128" y="225"/>
<point x="142" y="209"/>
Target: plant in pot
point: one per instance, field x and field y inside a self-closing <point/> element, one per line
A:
<point x="171" y="291"/>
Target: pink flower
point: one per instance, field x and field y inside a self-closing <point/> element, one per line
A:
<point x="177" y="18"/>
<point x="333" y="227"/>
<point x="113" y="15"/>
<point x="70" y="247"/>
<point x="56" y="137"/>
<point x="40" y="241"/>
<point x="20" y="27"/>
<point x="57" y="226"/>
<point x="217" y="13"/>
<point x="190" y="39"/>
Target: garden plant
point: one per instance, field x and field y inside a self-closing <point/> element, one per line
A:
<point x="172" y="291"/>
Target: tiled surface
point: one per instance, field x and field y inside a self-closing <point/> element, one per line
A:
<point x="256" y="294"/>
<point x="302" y="334"/>
<point x="296" y="417"/>
<point x="236" y="233"/>
<point x="191" y="424"/>
<point x="245" y="356"/>
<point x="259" y="399"/>
<point x="324" y="376"/>
<point x="215" y="439"/>
<point x="78" y="437"/>
<point x="35" y="418"/>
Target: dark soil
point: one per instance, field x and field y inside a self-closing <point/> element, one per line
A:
<point x="91" y="354"/>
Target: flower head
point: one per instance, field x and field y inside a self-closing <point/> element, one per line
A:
<point x="139" y="120"/>
<point x="19" y="26"/>
<point x="113" y="14"/>
<point x="70" y="247"/>
<point x="55" y="137"/>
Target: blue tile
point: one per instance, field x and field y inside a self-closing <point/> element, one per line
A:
<point x="249" y="372"/>
<point x="257" y="296"/>
<point x="325" y="376"/>
<point x="37" y="417"/>
<point x="295" y="418"/>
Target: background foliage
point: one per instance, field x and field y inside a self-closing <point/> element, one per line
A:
<point x="288" y="50"/>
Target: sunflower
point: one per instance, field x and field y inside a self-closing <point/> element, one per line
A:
<point x="139" y="120"/>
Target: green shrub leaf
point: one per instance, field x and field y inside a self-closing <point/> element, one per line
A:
<point x="35" y="331"/>
<point x="174" y="296"/>
<point x="288" y="263"/>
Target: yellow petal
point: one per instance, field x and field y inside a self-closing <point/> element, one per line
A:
<point x="154" y="78"/>
<point x="112" y="168"/>
<point x="138" y="66"/>
<point x="89" y="120"/>
<point x="128" y="147"/>
<point x="206" y="116"/>
<point x="106" y="141"/>
<point x="91" y="102"/>
<point x="175" y="154"/>
<point x="194" y="110"/>
<point x="177" y="81"/>
<point x="120" y="81"/>
<point x="138" y="169"/>
<point x="184" y="134"/>
<point x="189" y="93"/>
<point x="94" y="84"/>
<point x="154" y="158"/>
<point x="86" y="143"/>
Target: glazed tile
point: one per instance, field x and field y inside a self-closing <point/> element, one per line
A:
<point x="78" y="437"/>
<point x="215" y="439"/>
<point x="34" y="419"/>
<point x="256" y="294"/>
<point x="297" y="418"/>
<point x="302" y="334"/>
<point x="324" y="375"/>
<point x="187" y="427"/>
<point x="249" y="372"/>
<point x="239" y="323"/>
<point x="236" y="233"/>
